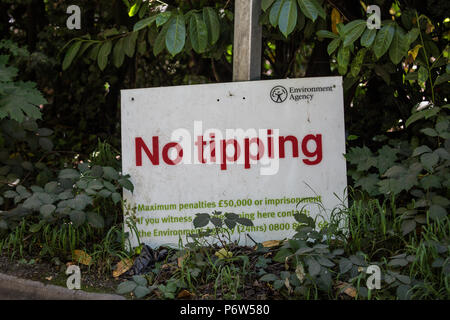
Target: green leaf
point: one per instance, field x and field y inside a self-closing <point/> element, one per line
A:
<point x="129" y="44"/>
<point x="269" y="277"/>
<point x="134" y="8"/>
<point x="353" y="31"/>
<point x="357" y="62"/>
<point x="198" y="33"/>
<point x="430" y="132"/>
<point x="103" y="54"/>
<point x="110" y="173"/>
<point x="119" y="53"/>
<point x="126" y="287"/>
<point x="160" y="41"/>
<point x="443" y="78"/>
<point x="212" y="23"/>
<point x="419" y="150"/>
<point x="383" y="40"/>
<point x="69" y="174"/>
<point x="343" y="59"/>
<point x="333" y="46"/>
<point x="141" y="291"/>
<point x="201" y="220"/>
<point x="309" y="8"/>
<point x="245" y="222"/>
<point x="313" y="267"/>
<point x="407" y="226"/>
<point x="414" y="117"/>
<point x="437" y="212"/>
<point x="429" y="160"/>
<point x="77" y="217"/>
<point x="144" y="23"/>
<point x="176" y="35"/>
<point x="95" y="220"/>
<point x="368" y="37"/>
<point x="326" y="34"/>
<point x="125" y="183"/>
<point x="288" y="17"/>
<point x="265" y="4"/>
<point x="345" y="265"/>
<point x="162" y="18"/>
<point x="47" y="209"/>
<point x="399" y="46"/>
<point x="275" y="12"/>
<point x="70" y="54"/>
<point x="116" y="197"/>
<point x="411" y="36"/>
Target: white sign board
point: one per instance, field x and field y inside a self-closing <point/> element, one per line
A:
<point x="256" y="149"/>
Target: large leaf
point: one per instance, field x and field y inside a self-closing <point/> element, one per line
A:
<point x="103" y="54"/>
<point x="353" y="31"/>
<point x="130" y="44"/>
<point x="368" y="37"/>
<point x="198" y="33"/>
<point x="333" y="46"/>
<point x="309" y="8"/>
<point x="265" y="4"/>
<point x="95" y="220"/>
<point x="144" y="23"/>
<point x="176" y="34"/>
<point x="118" y="53"/>
<point x="212" y="23"/>
<point x="399" y="46"/>
<point x="275" y="12"/>
<point x="70" y="54"/>
<point x="288" y="17"/>
<point x="383" y="40"/>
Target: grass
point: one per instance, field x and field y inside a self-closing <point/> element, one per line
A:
<point x="413" y="266"/>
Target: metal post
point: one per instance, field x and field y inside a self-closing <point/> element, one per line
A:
<point x="247" y="40"/>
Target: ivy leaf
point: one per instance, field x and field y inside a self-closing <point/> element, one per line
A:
<point x="198" y="33"/>
<point x="383" y="40"/>
<point x="288" y="17"/>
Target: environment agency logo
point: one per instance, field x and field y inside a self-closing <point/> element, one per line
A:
<point x="278" y="94"/>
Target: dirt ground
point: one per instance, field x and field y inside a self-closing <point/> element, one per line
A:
<point x="51" y="273"/>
